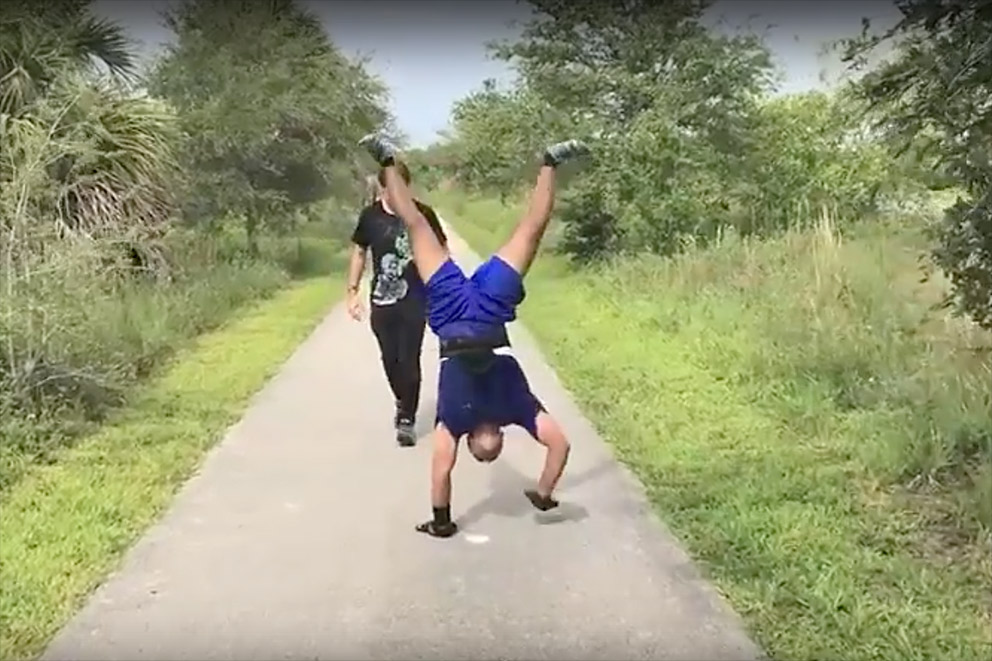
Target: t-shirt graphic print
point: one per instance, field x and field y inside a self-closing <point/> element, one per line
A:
<point x="394" y="274"/>
<point x="390" y="284"/>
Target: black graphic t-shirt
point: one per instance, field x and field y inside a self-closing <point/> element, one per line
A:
<point x="394" y="275"/>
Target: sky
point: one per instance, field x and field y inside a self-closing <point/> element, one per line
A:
<point x="430" y="53"/>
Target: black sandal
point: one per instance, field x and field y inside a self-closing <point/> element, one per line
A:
<point x="543" y="503"/>
<point x="435" y="529"/>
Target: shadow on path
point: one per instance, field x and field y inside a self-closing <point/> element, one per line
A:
<point x="507" y="499"/>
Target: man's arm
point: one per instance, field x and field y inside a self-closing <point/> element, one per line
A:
<point x="442" y="463"/>
<point x="552" y="437"/>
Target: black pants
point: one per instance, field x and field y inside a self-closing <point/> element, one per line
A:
<point x="399" y="328"/>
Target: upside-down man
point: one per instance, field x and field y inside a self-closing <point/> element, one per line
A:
<point x="480" y="391"/>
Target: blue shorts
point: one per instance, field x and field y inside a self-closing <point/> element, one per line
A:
<point x="462" y="308"/>
<point x="479" y="307"/>
<point x="498" y="394"/>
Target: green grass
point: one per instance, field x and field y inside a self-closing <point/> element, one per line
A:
<point x="815" y="434"/>
<point x="65" y="525"/>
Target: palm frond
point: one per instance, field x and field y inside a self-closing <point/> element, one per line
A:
<point x="124" y="171"/>
<point x="105" y="159"/>
<point x="92" y="38"/>
<point x="30" y="58"/>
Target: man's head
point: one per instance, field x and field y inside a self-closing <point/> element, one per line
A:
<point x="485" y="442"/>
<point x="403" y="171"/>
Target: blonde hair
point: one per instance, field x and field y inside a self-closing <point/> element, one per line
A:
<point x="371" y="189"/>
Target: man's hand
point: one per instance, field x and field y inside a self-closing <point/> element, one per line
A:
<point x="355" y="308"/>
<point x="435" y="529"/>
<point x="543" y="503"/>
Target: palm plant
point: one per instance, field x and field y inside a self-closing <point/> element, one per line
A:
<point x="105" y="154"/>
<point x="85" y="164"/>
<point x="41" y="41"/>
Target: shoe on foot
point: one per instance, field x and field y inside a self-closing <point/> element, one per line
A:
<point x="563" y="152"/>
<point x="405" y="434"/>
<point x="379" y="146"/>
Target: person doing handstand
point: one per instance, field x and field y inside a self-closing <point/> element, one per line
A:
<point x="480" y="391"/>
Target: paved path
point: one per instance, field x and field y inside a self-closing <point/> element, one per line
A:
<point x="295" y="541"/>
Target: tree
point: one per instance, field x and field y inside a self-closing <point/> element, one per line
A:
<point x="39" y="42"/>
<point x="935" y="96"/>
<point x="672" y="105"/>
<point x="606" y="62"/>
<point x="86" y="164"/>
<point x="499" y="132"/>
<point x="811" y="155"/>
<point x="270" y="109"/>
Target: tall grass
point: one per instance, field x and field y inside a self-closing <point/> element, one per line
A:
<point x="840" y="341"/>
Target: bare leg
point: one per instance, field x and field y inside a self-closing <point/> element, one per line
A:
<point x="428" y="253"/>
<point x="520" y="250"/>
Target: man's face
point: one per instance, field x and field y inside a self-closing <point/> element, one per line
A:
<point x="486" y="443"/>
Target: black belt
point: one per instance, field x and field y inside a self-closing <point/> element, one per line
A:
<point x="473" y="345"/>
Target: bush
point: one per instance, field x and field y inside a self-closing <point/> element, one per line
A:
<point x="931" y="100"/>
<point x="964" y="252"/>
<point x="76" y="338"/>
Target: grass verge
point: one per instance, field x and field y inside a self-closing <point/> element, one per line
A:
<point x="78" y="337"/>
<point x="65" y="525"/>
<point x="817" y="437"/>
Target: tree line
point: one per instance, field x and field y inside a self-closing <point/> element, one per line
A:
<point x="692" y="143"/>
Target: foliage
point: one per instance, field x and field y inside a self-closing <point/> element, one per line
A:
<point x="270" y="110"/>
<point x="500" y="132"/>
<point x="935" y="96"/>
<point x="80" y="151"/>
<point x="87" y="158"/>
<point x="604" y="63"/>
<point x="86" y="172"/>
<point x="812" y="154"/>
<point x="99" y="282"/>
<point x="40" y="42"/>
<point x="687" y="145"/>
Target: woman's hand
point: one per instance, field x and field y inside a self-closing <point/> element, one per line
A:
<point x="355" y="308"/>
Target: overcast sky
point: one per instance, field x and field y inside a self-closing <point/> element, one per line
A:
<point x="432" y="52"/>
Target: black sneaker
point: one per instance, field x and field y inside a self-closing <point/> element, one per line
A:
<point x="405" y="435"/>
<point x="379" y="146"/>
<point x="562" y="152"/>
